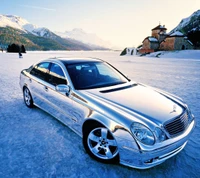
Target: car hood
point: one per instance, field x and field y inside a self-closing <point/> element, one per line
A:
<point x="140" y="100"/>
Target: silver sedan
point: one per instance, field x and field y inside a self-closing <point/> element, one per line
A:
<point x="118" y="119"/>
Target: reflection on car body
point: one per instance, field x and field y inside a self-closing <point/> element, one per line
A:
<point x="118" y="119"/>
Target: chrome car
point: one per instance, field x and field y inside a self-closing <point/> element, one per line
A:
<point x="118" y="119"/>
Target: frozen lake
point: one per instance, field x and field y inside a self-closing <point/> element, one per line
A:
<point x="34" y="144"/>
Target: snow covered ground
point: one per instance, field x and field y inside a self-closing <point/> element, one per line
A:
<point x="34" y="144"/>
<point x="185" y="54"/>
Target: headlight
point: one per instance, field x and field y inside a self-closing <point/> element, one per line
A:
<point x="160" y="134"/>
<point x="142" y="133"/>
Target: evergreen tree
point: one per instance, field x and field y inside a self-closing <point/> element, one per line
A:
<point x="15" y="48"/>
<point x="9" y="49"/>
<point x="23" y="50"/>
<point x="123" y="52"/>
<point x="194" y="37"/>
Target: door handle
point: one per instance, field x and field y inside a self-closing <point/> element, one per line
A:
<point x="46" y="88"/>
<point x="30" y="80"/>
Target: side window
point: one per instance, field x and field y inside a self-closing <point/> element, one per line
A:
<point x="57" y="75"/>
<point x="41" y="71"/>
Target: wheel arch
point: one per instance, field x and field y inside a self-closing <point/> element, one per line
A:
<point x="121" y="134"/>
<point x="91" y="123"/>
<point x="88" y="126"/>
<point x="31" y="104"/>
<point x="117" y="129"/>
<point x="98" y="120"/>
<point x="25" y="86"/>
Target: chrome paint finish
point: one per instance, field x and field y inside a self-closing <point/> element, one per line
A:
<point x="116" y="108"/>
<point x="143" y="101"/>
<point x="139" y="158"/>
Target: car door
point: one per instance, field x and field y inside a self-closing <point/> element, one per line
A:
<point x="37" y="84"/>
<point x="60" y="104"/>
<point x="80" y="108"/>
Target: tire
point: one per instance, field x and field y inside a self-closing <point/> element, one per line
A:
<point x="28" y="100"/>
<point x="101" y="145"/>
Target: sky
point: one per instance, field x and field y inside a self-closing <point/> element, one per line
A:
<point x="124" y="23"/>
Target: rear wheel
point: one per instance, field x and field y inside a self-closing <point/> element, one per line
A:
<point x="27" y="97"/>
<point x="101" y="145"/>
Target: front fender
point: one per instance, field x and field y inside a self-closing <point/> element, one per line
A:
<point x="122" y="135"/>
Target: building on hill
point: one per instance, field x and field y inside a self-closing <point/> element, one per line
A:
<point x="176" y="41"/>
<point x="159" y="32"/>
<point x="160" y="40"/>
<point x="150" y="44"/>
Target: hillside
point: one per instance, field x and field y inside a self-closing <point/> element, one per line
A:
<point x="14" y="29"/>
<point x="190" y="26"/>
<point x="9" y="35"/>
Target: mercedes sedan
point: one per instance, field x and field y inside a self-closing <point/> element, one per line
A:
<point x="119" y="120"/>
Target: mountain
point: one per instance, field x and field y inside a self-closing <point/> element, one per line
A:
<point x="9" y="35"/>
<point x="190" y="26"/>
<point x="14" y="29"/>
<point x="14" y="22"/>
<point x="191" y="23"/>
<point x="88" y="38"/>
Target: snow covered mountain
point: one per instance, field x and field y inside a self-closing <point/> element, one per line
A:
<point x="190" y="27"/>
<point x="22" y="24"/>
<point x="15" y="29"/>
<point x="13" y="21"/>
<point x="88" y="38"/>
<point x="191" y="23"/>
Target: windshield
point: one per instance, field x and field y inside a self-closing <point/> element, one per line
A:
<point x="89" y="75"/>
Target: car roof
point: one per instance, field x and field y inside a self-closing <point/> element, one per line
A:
<point x="77" y="60"/>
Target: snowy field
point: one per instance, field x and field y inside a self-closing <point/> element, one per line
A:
<point x="34" y="144"/>
<point x="186" y="54"/>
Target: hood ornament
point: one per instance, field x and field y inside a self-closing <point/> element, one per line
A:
<point x="174" y="108"/>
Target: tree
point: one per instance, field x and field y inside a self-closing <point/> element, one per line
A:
<point x="15" y="48"/>
<point x="9" y="48"/>
<point x="123" y="52"/>
<point x="194" y="37"/>
<point x="23" y="50"/>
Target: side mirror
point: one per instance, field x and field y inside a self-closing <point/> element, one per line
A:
<point x="63" y="88"/>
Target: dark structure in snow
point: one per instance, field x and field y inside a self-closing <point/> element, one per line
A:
<point x="194" y="37"/>
<point x="15" y="48"/>
<point x="123" y="52"/>
<point x="23" y="50"/>
<point x="128" y="51"/>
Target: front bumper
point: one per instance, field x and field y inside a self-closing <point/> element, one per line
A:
<point x="133" y="157"/>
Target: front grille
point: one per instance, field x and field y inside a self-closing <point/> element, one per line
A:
<point x="178" y="125"/>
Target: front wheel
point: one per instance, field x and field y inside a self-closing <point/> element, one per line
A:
<point x="27" y="98"/>
<point x="101" y="145"/>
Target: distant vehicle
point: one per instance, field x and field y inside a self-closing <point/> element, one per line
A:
<point x="118" y="119"/>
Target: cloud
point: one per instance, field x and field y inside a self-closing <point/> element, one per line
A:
<point x="36" y="7"/>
